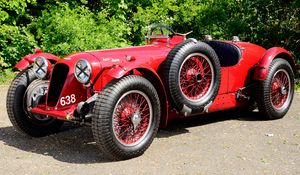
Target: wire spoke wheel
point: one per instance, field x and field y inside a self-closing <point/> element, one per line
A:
<point x="192" y="76"/>
<point x="132" y="118"/>
<point x="280" y="89"/>
<point x="127" y="114"/>
<point x="274" y="95"/>
<point x="196" y="76"/>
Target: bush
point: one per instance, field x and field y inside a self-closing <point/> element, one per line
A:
<point x="62" y="27"/>
<point x="266" y="22"/>
<point x="272" y="23"/>
<point x="15" y="42"/>
<point x="62" y="30"/>
<point x="6" y="76"/>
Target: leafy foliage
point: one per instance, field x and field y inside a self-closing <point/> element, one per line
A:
<point x="63" y="27"/>
<point x="273" y="23"/>
<point x="297" y="84"/>
<point x="68" y="30"/>
<point x="266" y="22"/>
<point x="15" y="42"/>
<point x="11" y="12"/>
<point x="6" y="76"/>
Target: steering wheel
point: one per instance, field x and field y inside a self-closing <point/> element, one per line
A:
<point x="157" y="31"/>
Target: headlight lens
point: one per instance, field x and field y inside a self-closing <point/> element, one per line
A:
<point x="83" y="71"/>
<point x="40" y="67"/>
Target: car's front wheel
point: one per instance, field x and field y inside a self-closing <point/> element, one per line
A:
<point x="127" y="115"/>
<point x="25" y="92"/>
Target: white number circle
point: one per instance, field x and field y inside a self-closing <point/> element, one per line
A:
<point x="69" y="99"/>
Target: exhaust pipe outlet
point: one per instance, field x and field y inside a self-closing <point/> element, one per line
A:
<point x="84" y="107"/>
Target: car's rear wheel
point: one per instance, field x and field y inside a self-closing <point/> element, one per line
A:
<point x="192" y="76"/>
<point x="127" y="115"/>
<point x="24" y="92"/>
<point x="275" y="94"/>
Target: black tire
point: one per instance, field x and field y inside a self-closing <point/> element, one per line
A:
<point x="268" y="106"/>
<point x="17" y="113"/>
<point x="172" y="66"/>
<point x="107" y="103"/>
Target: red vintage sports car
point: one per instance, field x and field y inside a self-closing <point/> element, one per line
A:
<point x="126" y="94"/>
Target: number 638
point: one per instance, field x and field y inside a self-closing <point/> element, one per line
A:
<point x="69" y="99"/>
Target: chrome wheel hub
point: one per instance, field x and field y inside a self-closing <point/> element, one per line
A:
<point x="283" y="90"/>
<point x="136" y="119"/>
<point x="132" y="118"/>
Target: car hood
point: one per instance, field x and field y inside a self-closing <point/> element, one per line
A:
<point x="141" y="54"/>
<point x="101" y="59"/>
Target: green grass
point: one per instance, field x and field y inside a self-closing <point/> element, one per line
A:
<point x="6" y="76"/>
<point x="297" y="85"/>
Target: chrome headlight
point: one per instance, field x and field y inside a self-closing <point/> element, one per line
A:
<point x="83" y="71"/>
<point x="41" y="67"/>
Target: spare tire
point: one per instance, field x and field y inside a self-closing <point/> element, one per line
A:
<point x="192" y="76"/>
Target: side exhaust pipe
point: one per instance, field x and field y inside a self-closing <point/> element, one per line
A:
<point x="85" y="107"/>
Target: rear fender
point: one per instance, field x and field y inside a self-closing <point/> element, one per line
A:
<point x="29" y="59"/>
<point x="145" y="71"/>
<point x="262" y="68"/>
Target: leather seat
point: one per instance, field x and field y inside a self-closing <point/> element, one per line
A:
<point x="229" y="54"/>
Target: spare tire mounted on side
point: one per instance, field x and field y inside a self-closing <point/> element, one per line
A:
<point x="192" y="76"/>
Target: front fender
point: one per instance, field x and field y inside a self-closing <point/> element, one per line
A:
<point x="262" y="68"/>
<point x="29" y="59"/>
<point x="116" y="72"/>
<point x="143" y="70"/>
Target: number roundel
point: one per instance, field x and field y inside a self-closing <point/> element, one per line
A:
<point x="67" y="100"/>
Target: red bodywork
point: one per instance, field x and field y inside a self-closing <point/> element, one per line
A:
<point x="146" y="61"/>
